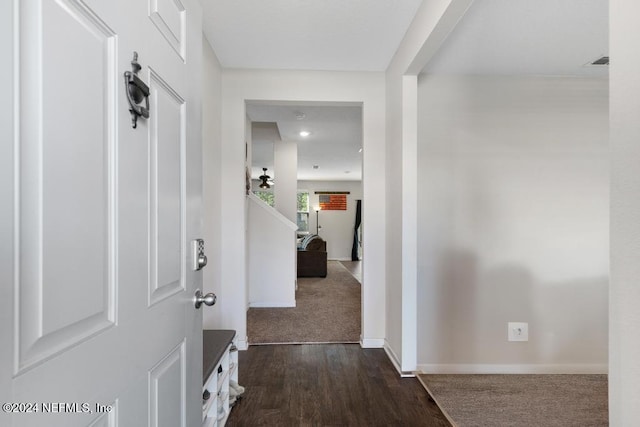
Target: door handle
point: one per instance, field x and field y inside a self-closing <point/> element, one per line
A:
<point x="208" y="299"/>
<point x="137" y="91"/>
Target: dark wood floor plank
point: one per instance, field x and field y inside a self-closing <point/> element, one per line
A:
<point x="328" y="385"/>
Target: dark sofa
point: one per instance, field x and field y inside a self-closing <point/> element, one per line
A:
<point x="312" y="256"/>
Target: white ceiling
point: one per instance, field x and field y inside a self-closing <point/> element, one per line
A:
<point x="333" y="145"/>
<point x="533" y="37"/>
<point x="504" y="37"/>
<point x="346" y="35"/>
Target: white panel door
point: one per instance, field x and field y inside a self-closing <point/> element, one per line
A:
<point x="102" y="325"/>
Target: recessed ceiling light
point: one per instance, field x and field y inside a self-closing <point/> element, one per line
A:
<point x="305" y="133"/>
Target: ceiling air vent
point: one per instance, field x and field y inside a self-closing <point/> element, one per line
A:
<point x="601" y="61"/>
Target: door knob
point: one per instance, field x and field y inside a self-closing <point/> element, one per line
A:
<point x="208" y="299"/>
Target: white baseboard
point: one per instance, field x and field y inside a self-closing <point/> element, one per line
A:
<point x="242" y="344"/>
<point x="396" y="361"/>
<point x="392" y="355"/>
<point x="513" y="368"/>
<point x="276" y="304"/>
<point x="371" y="342"/>
<point x="339" y="259"/>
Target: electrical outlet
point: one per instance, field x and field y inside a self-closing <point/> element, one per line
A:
<point x="518" y="331"/>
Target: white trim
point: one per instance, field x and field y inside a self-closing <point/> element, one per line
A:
<point x="392" y="356"/>
<point x="272" y="211"/>
<point x="242" y="344"/>
<point x="339" y="259"/>
<point x="371" y="342"/>
<point x="575" y="368"/>
<point x="278" y="304"/>
<point x="395" y="361"/>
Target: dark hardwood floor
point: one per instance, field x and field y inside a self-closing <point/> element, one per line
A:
<point x="328" y="385"/>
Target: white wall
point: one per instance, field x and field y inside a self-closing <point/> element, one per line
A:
<point x="393" y="226"/>
<point x="433" y="21"/>
<point x="366" y="89"/>
<point x="211" y="176"/>
<point x="337" y="226"/>
<point x="285" y="158"/>
<point x="271" y="257"/>
<point x="513" y="208"/>
<point x="624" y="342"/>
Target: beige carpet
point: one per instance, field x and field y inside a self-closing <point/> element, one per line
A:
<point x="521" y="400"/>
<point x="327" y="311"/>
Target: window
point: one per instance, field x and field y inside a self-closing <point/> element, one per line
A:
<point x="266" y="196"/>
<point x="302" y="217"/>
<point x="303" y="212"/>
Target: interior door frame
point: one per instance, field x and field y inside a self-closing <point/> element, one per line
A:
<point x="7" y="200"/>
<point x="366" y="89"/>
<point x="249" y="159"/>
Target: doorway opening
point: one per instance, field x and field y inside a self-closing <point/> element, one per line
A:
<point x="312" y="153"/>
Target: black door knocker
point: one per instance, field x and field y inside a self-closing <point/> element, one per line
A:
<point x="136" y="90"/>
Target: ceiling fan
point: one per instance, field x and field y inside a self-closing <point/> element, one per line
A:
<point x="266" y="179"/>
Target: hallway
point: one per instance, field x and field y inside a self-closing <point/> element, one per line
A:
<point x="328" y="310"/>
<point x="328" y="384"/>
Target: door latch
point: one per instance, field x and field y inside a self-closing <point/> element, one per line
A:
<point x="199" y="258"/>
<point x="137" y="91"/>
